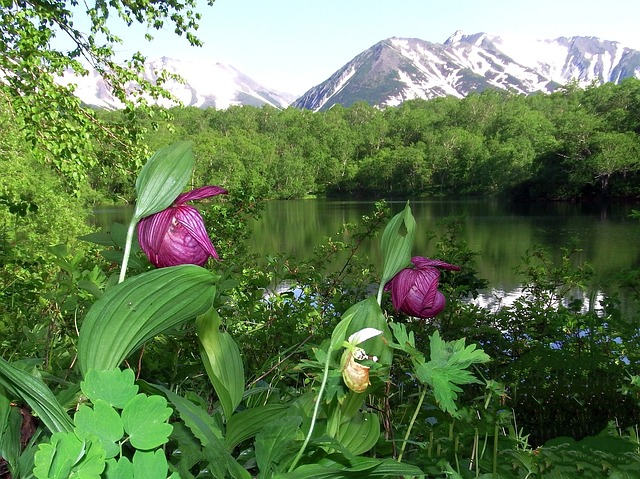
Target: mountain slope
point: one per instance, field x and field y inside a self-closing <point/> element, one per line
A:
<point x="210" y="84"/>
<point x="399" y="69"/>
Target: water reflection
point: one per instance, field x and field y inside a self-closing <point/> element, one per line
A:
<point x="501" y="232"/>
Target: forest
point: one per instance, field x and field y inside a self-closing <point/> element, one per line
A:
<point x="166" y="348"/>
<point x="574" y="144"/>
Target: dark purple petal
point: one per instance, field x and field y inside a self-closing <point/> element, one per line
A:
<point x="414" y="291"/>
<point x="422" y="262"/>
<point x="200" y="194"/>
<point x="152" y="231"/>
<point x="190" y="219"/>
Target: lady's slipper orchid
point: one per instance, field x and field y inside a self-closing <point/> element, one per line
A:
<point x="354" y="374"/>
<point x="414" y="291"/>
<point x="177" y="235"/>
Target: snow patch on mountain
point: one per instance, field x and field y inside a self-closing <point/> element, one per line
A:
<point x="206" y="84"/>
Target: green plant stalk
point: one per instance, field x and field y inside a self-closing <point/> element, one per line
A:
<point x="127" y="248"/>
<point x="380" y="291"/>
<point x="316" y="408"/>
<point x="411" y="423"/>
<point x="495" y="450"/>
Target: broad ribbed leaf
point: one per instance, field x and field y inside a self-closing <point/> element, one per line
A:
<point x="37" y="395"/>
<point x="360" y="433"/>
<point x="274" y="441"/>
<point x="222" y="361"/>
<point x="163" y="178"/>
<point x="396" y="243"/>
<point x="362" y="468"/>
<point x="140" y="308"/>
<point x="248" y="423"/>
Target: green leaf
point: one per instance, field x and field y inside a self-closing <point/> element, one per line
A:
<point x="360" y="433"/>
<point x="67" y="456"/>
<point x="116" y="387"/>
<point x="447" y="369"/>
<point x="273" y="441"/>
<point x="10" y="427"/>
<point x="120" y="469"/>
<point x="195" y="418"/>
<point x="150" y="465"/>
<point x="222" y="361"/>
<point x="163" y="178"/>
<point x="144" y="419"/>
<point x="361" y="468"/>
<point x="406" y="341"/>
<point x="102" y="421"/>
<point x="367" y="314"/>
<point x="248" y="423"/>
<point x="37" y="395"/>
<point x="140" y="308"/>
<point x="397" y="242"/>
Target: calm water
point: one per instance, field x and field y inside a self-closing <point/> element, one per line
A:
<point x="501" y="232"/>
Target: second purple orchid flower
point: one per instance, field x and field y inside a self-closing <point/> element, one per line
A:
<point x="177" y="235"/>
<point x="414" y="291"/>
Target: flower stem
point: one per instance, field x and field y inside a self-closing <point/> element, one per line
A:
<point x="413" y="420"/>
<point x="325" y="376"/>
<point x="380" y="291"/>
<point x="127" y="248"/>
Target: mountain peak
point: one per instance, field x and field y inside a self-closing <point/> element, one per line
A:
<point x="401" y="69"/>
<point x="457" y="36"/>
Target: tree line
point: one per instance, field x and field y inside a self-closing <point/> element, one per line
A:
<point x="575" y="143"/>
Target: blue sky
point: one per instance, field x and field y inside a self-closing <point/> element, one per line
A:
<point x="292" y="45"/>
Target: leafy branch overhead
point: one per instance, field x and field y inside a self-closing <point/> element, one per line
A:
<point x="31" y="65"/>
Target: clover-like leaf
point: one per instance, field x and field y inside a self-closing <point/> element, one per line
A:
<point x="144" y="418"/>
<point x="113" y="386"/>
<point x="149" y="465"/>
<point x="104" y="422"/>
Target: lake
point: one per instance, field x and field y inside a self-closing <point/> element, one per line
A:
<point x="500" y="231"/>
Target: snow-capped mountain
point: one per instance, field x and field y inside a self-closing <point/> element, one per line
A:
<point x="399" y="69"/>
<point x="207" y="84"/>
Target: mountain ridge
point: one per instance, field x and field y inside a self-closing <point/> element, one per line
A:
<point x="399" y="69"/>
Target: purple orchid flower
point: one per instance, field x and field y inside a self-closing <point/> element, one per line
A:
<point x="414" y="291"/>
<point x="176" y="235"/>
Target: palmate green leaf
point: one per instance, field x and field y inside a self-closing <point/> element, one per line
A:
<point x="163" y="178"/>
<point x="102" y="421"/>
<point x="114" y="386"/>
<point x="119" y="469"/>
<point x="195" y="418"/>
<point x="273" y="441"/>
<point x="447" y="369"/>
<point x="150" y="465"/>
<point x="140" y="308"/>
<point x="66" y="455"/>
<point x="222" y="361"/>
<point x="144" y="419"/>
<point x="397" y="242"/>
<point x="37" y="395"/>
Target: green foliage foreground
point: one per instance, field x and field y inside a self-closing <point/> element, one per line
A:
<point x="186" y="372"/>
